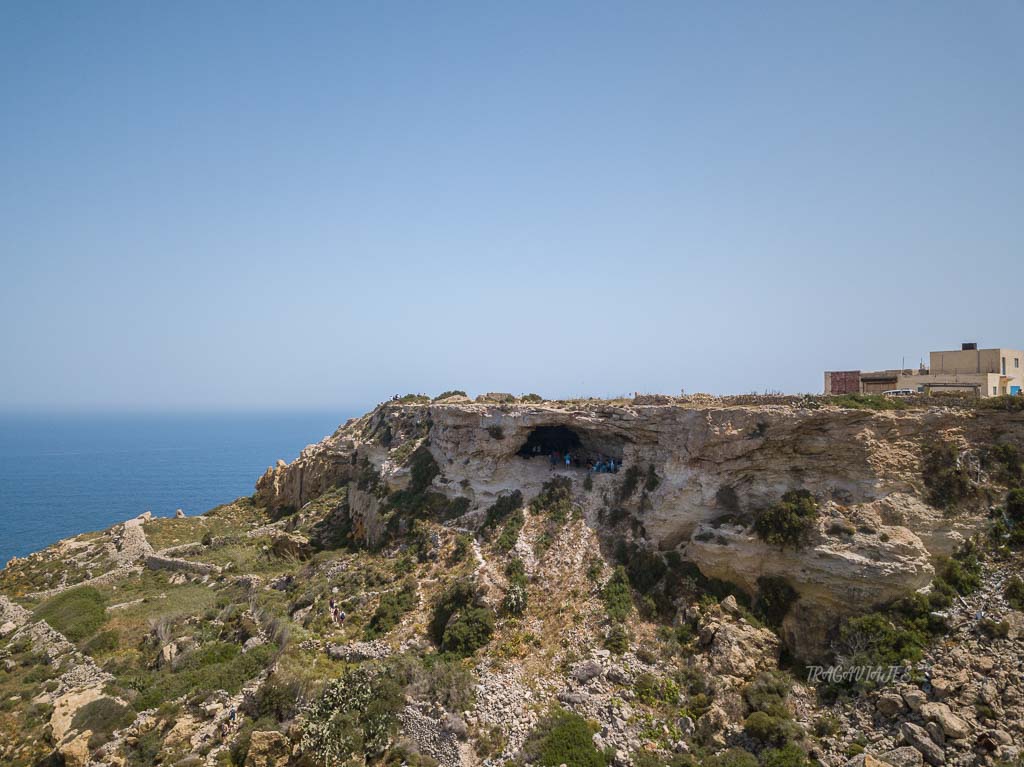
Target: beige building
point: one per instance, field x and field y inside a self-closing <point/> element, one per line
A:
<point x="968" y="370"/>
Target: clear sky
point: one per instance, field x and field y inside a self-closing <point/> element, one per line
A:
<point x="297" y="205"/>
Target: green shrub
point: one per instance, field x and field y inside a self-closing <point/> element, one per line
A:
<point x="392" y="606"/>
<point x="841" y="527"/>
<point x="876" y="639"/>
<point x="417" y="500"/>
<point x="510" y="532"/>
<point x="644" y="567"/>
<point x="1009" y="402"/>
<point x="501" y="509"/>
<point x="515" y="571"/>
<point x="1015" y="506"/>
<point x="867" y="402"/>
<point x="630" y="482"/>
<point x="652" y="481"/>
<point x="562" y="737"/>
<point x="355" y="717"/>
<point x="458" y="625"/>
<point x="214" y="666"/>
<point x="408" y="399"/>
<point x="102" y="716"/>
<point x="449" y="393"/>
<point x="469" y="630"/>
<point x="985" y="711"/>
<point x="144" y="750"/>
<point x="733" y="757"/>
<point x="788" y="522"/>
<point x="826" y="726"/>
<point x="994" y="629"/>
<point x="1014" y="593"/>
<point x="278" y="698"/>
<point x="654" y="759"/>
<point x="653" y="690"/>
<point x="459" y="595"/>
<point x="962" y="571"/>
<point x="771" y="730"/>
<point x="617" y="596"/>
<point x="76" y="613"/>
<point x="616" y="640"/>
<point x="1004" y="464"/>
<point x="789" y="755"/>
<point x="555" y="500"/>
<point x="531" y="397"/>
<point x="774" y="599"/>
<point x="463" y="545"/>
<point x="945" y="476"/>
<point x="422" y="469"/>
<point x="768" y="691"/>
<point x="103" y="642"/>
<point x="446" y="681"/>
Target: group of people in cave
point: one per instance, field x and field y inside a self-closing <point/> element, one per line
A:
<point x="557" y="458"/>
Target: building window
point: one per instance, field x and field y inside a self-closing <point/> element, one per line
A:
<point x="1016" y="362"/>
<point x="994" y="391"/>
<point x="1004" y="365"/>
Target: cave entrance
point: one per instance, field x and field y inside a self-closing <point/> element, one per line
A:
<point x="586" y="448"/>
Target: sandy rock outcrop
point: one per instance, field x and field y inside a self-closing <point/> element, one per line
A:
<point x="834" y="574"/>
<point x="268" y="749"/>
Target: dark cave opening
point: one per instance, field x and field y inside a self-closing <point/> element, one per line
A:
<point x="584" y="447"/>
<point x="545" y="440"/>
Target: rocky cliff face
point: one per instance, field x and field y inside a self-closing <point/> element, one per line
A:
<point x="714" y="469"/>
<point x="485" y="608"/>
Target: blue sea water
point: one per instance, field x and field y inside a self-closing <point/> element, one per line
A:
<point x="66" y="474"/>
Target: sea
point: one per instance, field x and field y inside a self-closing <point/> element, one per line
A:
<point x="64" y="474"/>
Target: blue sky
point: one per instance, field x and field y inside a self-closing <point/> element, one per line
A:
<point x="227" y="205"/>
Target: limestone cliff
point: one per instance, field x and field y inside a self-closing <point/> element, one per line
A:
<point x="714" y="468"/>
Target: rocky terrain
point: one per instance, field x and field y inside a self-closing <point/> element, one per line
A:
<point x="759" y="581"/>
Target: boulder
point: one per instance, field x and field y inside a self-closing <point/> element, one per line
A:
<point x="737" y="648"/>
<point x="291" y="546"/>
<point x="76" y="751"/>
<point x="889" y="704"/>
<point x="712" y="722"/>
<point x="66" y="706"/>
<point x="919" y="738"/>
<point x="179" y="514"/>
<point x="268" y="748"/>
<point x="905" y="756"/>
<point x="952" y="725"/>
<point x="586" y="670"/>
<point x="914" y="698"/>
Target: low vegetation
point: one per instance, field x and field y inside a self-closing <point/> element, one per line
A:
<point x="460" y="625"/>
<point x="788" y="522"/>
<point x="354" y="717"/>
<point x="900" y="632"/>
<point x="775" y="597"/>
<point x="867" y="402"/>
<point x="76" y="613"/>
<point x="392" y="606"/>
<point x="1014" y="593"/>
<point x="562" y="737"/>
<point x="770" y="721"/>
<point x="946" y="478"/>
